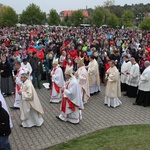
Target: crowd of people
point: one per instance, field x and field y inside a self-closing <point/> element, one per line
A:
<point x="74" y="61"/>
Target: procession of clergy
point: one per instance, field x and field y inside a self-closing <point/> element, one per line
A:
<point x="73" y="89"/>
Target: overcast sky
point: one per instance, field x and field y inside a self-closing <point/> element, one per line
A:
<point x="60" y="5"/>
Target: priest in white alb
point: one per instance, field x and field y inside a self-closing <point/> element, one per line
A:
<point x="30" y="107"/>
<point x="72" y="103"/>
<point x="27" y="67"/>
<point x="93" y="74"/>
<point x="143" y="96"/>
<point x="57" y="82"/>
<point x="18" y="82"/>
<point x="133" y="79"/>
<point x="82" y="77"/>
<point x="113" y="90"/>
<point x="125" y="68"/>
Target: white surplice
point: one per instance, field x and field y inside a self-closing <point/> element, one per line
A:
<point x="133" y="77"/>
<point x="27" y="68"/>
<point x="58" y="79"/>
<point x="18" y="86"/>
<point x="125" y="68"/>
<point x="144" y="83"/>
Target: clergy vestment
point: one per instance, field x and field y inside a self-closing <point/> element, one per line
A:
<point x="143" y="97"/>
<point x="30" y="106"/>
<point x="125" y="68"/>
<point x="84" y="83"/>
<point x="113" y="90"/>
<point x="18" y="86"/>
<point x="94" y="79"/>
<point x="27" y="68"/>
<point x="133" y="80"/>
<point x="4" y="105"/>
<point x="72" y="103"/>
<point x="57" y="84"/>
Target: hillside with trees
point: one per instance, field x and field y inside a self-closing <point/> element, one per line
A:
<point x="115" y="16"/>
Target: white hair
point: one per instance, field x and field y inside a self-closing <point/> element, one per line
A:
<point x="147" y="63"/>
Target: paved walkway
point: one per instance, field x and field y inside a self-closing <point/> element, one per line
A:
<point x="96" y="116"/>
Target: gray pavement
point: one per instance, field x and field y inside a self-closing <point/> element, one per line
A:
<point x="96" y="116"/>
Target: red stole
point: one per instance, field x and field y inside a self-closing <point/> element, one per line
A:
<point x="57" y="88"/>
<point x="65" y="100"/>
<point x="17" y="86"/>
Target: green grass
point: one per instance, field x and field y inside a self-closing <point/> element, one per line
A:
<point x="114" y="138"/>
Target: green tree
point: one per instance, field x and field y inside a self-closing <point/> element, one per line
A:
<point x="33" y="15"/>
<point x="90" y="11"/>
<point x="120" y="22"/>
<point x="69" y="23"/>
<point x="108" y="3"/>
<point x="62" y="23"/>
<point x="98" y="16"/>
<point x="8" y="17"/>
<point x="77" y="18"/>
<point x="117" y="10"/>
<point x="145" y="24"/>
<point x="112" y="21"/>
<point x="66" y="18"/>
<point x="128" y="17"/>
<point x="89" y="20"/>
<point x="53" y="18"/>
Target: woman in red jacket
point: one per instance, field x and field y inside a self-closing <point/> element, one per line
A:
<point x="73" y="53"/>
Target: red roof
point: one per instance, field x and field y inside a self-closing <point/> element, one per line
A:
<point x="85" y="13"/>
<point x="69" y="13"/>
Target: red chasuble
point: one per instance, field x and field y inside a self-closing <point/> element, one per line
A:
<point x="65" y="100"/>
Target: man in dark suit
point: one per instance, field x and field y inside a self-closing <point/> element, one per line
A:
<point x="35" y="64"/>
<point x="102" y="66"/>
